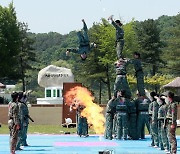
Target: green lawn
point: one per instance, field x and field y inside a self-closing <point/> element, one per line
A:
<point x="53" y="129"/>
<point x="44" y="129"/>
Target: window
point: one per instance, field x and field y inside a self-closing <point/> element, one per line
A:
<point x="54" y="92"/>
<point x="48" y="93"/>
<point x="58" y="93"/>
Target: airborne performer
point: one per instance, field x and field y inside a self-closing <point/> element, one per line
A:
<point x="84" y="45"/>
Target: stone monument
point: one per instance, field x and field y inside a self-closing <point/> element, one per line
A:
<point x="52" y="79"/>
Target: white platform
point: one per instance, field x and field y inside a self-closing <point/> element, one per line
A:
<point x="50" y="100"/>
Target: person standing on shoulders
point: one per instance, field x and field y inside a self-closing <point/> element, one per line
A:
<point x="119" y="36"/>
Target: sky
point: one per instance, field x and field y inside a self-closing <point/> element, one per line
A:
<point x="63" y="16"/>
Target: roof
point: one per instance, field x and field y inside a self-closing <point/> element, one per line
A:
<point x="173" y="84"/>
<point x="2" y="85"/>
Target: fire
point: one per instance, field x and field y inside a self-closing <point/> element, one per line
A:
<point x="92" y="111"/>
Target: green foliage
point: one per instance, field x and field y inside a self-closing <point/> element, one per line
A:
<point x="44" y="41"/>
<point x="9" y="42"/>
<point x="172" y="51"/>
<point x="150" y="43"/>
<point x="62" y="63"/>
<point x="158" y="41"/>
<point x="26" y="55"/>
<point x="38" y="93"/>
<point x="158" y="80"/>
<point x="165" y="23"/>
<point x="94" y="69"/>
<point x="150" y="81"/>
<point x="131" y="41"/>
<point x="106" y="43"/>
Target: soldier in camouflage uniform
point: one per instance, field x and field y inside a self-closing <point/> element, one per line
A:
<point x="142" y="105"/>
<point x="21" y="119"/>
<point x="110" y="112"/>
<point x="119" y="36"/>
<point x="84" y="45"/>
<point x="27" y="117"/>
<point x="132" y="127"/>
<point x="122" y="115"/>
<point x="150" y="110"/>
<point x="24" y="121"/>
<point x="139" y="73"/>
<point x="163" y="140"/>
<point x="171" y="122"/>
<point x="121" y="79"/>
<point x="13" y="123"/>
<point x="154" y="120"/>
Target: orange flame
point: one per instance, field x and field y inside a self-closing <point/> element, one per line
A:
<point x="92" y="111"/>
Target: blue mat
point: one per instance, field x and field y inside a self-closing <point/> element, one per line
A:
<point x="72" y="144"/>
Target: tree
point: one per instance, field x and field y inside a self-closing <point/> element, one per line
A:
<point x="131" y="39"/>
<point x="62" y="63"/>
<point x="150" y="43"/>
<point x="26" y="55"/>
<point x="9" y="42"/>
<point x="158" y="80"/>
<point x="172" y="51"/>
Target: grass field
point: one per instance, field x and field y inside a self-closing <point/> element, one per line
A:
<point x="53" y="129"/>
<point x="44" y="129"/>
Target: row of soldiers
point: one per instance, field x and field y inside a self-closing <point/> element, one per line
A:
<point x="127" y="118"/>
<point x="18" y="121"/>
<point x="163" y="116"/>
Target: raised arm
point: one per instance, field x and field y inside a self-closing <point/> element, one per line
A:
<point x="84" y="25"/>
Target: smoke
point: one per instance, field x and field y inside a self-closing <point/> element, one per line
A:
<point x="93" y="112"/>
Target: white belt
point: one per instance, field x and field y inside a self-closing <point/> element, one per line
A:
<point x="121" y="113"/>
<point x="121" y="75"/>
<point x="144" y="113"/>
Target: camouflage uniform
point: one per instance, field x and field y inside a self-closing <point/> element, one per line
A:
<point x="110" y="111"/>
<point x="139" y="76"/>
<point x="84" y="44"/>
<point x="132" y="127"/>
<point x="21" y="119"/>
<point x="142" y="106"/>
<point x="163" y="140"/>
<point x="13" y="122"/>
<point x="121" y="82"/>
<point x="150" y="110"/>
<point x="25" y="123"/>
<point x="122" y="117"/>
<point x="119" y="39"/>
<point x="172" y="117"/>
<point x="82" y="128"/>
<point x="154" y="122"/>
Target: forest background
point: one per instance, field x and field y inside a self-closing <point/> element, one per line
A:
<point x="24" y="54"/>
